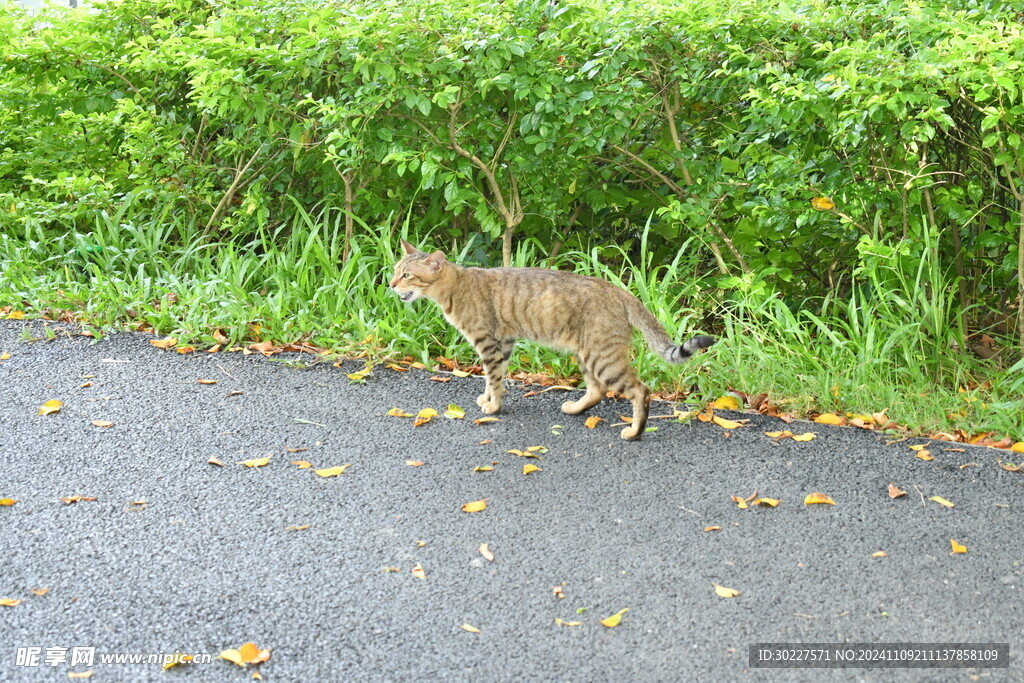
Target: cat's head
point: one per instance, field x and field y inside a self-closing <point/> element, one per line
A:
<point x="416" y="272"/>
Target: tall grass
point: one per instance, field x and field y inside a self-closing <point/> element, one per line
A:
<point x="892" y="343"/>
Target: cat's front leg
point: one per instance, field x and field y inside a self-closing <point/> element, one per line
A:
<point x="494" y="355"/>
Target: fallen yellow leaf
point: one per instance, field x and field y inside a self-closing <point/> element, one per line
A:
<point x="5" y="356"/>
<point x="712" y="528"/>
<point x="740" y="502"/>
<point x="255" y="462"/>
<point x="779" y="435"/>
<point x="414" y="463"/>
<point x="361" y="375"/>
<point x="724" y="592"/>
<point x="177" y="660"/>
<point x="728" y="424"/>
<point x="1018" y="447"/>
<point x="806" y="436"/>
<point x="251" y="654"/>
<point x="80" y="674"/>
<point x="418" y="572"/>
<point x="332" y="471"/>
<point x="957" y="548"/>
<point x="592" y="421"/>
<point x="215" y="461"/>
<point x="475" y="506"/>
<point x="942" y="501"/>
<point x="461" y="373"/>
<point x="560" y="622"/>
<point x="485" y="420"/>
<point x="483" y="468"/>
<point x="398" y="412"/>
<point x="9" y="602"/>
<point x="470" y="627"/>
<point x="817" y="498"/>
<point x="880" y="553"/>
<point x="185" y="349"/>
<point x="102" y="423"/>
<point x="486" y="552"/>
<point x="528" y="469"/>
<point x="232" y="656"/>
<point x="165" y="343"/>
<point x="301" y="527"/>
<point x="302" y="464"/>
<point x="206" y="381"/>
<point x="454" y="412"/>
<point x="7" y="502"/>
<point x="726" y="403"/>
<point x="924" y="455"/>
<point x="768" y="502"/>
<point x="51" y="406"/>
<point x="424" y="416"/>
<point x="829" y="419"/>
<point x="613" y="620"/>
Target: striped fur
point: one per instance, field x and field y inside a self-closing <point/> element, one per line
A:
<point x="590" y="317"/>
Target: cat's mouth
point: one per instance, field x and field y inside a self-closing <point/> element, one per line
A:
<point x="407" y="296"/>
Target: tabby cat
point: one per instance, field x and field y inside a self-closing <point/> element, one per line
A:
<point x="592" y="318"/>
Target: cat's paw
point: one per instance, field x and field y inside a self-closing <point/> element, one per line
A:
<point x="482" y="399"/>
<point x="490" y="407"/>
<point x="570" y="408"/>
<point x="631" y="433"/>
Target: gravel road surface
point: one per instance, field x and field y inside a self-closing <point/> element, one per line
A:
<point x="209" y="562"/>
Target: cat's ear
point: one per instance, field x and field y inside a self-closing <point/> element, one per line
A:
<point x="409" y="249"/>
<point x="436" y="261"/>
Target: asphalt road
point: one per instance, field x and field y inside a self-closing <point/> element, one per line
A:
<point x="208" y="562"/>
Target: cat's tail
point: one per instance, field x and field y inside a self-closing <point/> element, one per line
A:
<point x="656" y="337"/>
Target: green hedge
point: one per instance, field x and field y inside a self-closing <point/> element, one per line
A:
<point x="568" y="122"/>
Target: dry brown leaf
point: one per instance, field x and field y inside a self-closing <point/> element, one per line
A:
<point x="267" y="348"/>
<point x="1009" y="467"/>
<point x="435" y="378"/>
<point x="215" y="461"/>
<point x="592" y="421"/>
<point x="712" y="528"/>
<point x="185" y="349"/>
<point x="165" y="343"/>
<point x="895" y="491"/>
<point x="206" y="381"/>
<point x="74" y="499"/>
<point x="817" y="498"/>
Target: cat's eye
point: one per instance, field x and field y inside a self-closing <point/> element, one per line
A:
<point x="406" y="276"/>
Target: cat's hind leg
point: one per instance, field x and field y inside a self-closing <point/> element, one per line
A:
<point x="621" y="378"/>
